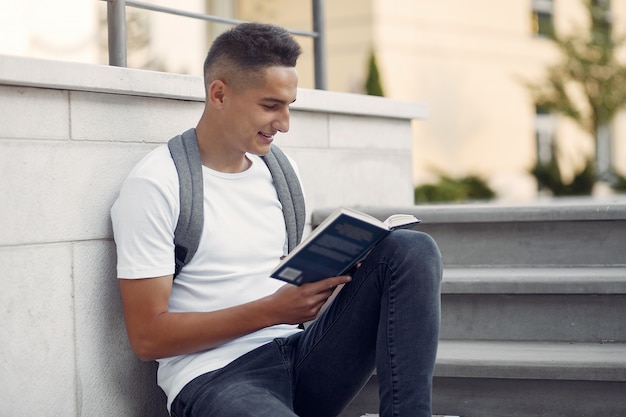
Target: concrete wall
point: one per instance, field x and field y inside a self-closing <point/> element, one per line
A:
<point x="69" y="133"/>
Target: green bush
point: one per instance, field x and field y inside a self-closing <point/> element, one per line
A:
<point x="548" y="177"/>
<point x="619" y="184"/>
<point x="449" y="189"/>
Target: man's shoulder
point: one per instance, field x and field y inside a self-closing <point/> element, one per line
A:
<point x="157" y="165"/>
<point x="151" y="181"/>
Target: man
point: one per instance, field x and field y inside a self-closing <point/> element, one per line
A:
<point x="225" y="334"/>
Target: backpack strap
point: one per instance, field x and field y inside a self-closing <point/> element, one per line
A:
<point x="289" y="193"/>
<point x="186" y="155"/>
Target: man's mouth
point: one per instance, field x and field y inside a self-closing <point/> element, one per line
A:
<point x="267" y="135"/>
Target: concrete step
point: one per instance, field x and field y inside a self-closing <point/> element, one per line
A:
<point x="521" y="379"/>
<point x="485" y="397"/>
<point x="532" y="360"/>
<point x="562" y="233"/>
<point x="535" y="280"/>
<point x="533" y="307"/>
<point x="550" y="304"/>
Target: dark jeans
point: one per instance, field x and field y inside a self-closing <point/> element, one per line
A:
<point x="387" y="317"/>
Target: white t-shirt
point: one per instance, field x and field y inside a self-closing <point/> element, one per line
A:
<point x="244" y="237"/>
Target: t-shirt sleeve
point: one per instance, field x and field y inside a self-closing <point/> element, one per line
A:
<point x="144" y="217"/>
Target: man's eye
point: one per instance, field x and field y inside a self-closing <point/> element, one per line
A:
<point x="270" y="106"/>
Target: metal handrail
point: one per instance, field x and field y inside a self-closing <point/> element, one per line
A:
<point x="116" y="22"/>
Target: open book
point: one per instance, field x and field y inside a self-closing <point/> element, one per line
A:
<point x="337" y="245"/>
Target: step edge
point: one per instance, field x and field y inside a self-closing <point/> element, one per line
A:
<point x="571" y="280"/>
<point x="540" y="360"/>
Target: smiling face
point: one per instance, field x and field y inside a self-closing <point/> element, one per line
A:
<point x="250" y="81"/>
<point x="252" y="116"/>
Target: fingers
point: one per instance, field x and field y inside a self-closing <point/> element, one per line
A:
<point x="332" y="283"/>
<point x="328" y="291"/>
<point x="327" y="285"/>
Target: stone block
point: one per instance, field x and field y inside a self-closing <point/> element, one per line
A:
<point x="111" y="117"/>
<point x="37" y="366"/>
<point x="61" y="191"/>
<point x="344" y="177"/>
<point x="347" y="131"/>
<point x="114" y="382"/>
<point x="33" y="113"/>
<point x="306" y="130"/>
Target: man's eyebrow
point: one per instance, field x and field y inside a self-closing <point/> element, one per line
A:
<point x="277" y="100"/>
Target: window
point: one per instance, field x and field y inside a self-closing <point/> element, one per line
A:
<point x="542" y="19"/>
<point x="545" y="127"/>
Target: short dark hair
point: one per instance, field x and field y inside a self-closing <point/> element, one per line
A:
<point x="238" y="55"/>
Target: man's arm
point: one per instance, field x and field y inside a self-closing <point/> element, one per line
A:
<point x="155" y="332"/>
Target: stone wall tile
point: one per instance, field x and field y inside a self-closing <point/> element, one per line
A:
<point x="61" y="191"/>
<point x="33" y="113"/>
<point x="369" y="133"/>
<point x="306" y="130"/>
<point x="37" y="368"/>
<point x="348" y="178"/>
<point x="114" y="382"/>
<point x="111" y="117"/>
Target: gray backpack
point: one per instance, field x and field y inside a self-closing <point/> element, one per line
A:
<point x="186" y="156"/>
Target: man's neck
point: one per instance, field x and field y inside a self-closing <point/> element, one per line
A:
<point x="215" y="155"/>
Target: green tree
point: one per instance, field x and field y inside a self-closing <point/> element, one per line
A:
<point x="589" y="66"/>
<point x="373" y="85"/>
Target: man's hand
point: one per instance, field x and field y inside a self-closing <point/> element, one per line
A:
<point x="294" y="305"/>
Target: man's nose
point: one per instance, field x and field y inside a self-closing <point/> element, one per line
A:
<point x="281" y="123"/>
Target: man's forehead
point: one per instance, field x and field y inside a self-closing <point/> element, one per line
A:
<point x="279" y="84"/>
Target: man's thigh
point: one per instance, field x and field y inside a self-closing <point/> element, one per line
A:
<point x="256" y="384"/>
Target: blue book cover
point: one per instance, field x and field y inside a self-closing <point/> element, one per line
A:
<point x="336" y="246"/>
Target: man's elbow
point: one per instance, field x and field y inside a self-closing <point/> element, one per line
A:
<point x="146" y="357"/>
<point x="145" y="349"/>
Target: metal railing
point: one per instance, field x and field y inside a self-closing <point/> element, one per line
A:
<point x="116" y="22"/>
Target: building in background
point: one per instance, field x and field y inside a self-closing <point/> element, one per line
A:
<point x="466" y="60"/>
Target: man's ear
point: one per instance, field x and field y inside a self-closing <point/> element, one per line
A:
<point x="216" y="93"/>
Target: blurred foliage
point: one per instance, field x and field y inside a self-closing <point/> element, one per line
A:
<point x="549" y="177"/>
<point x="373" y="85"/>
<point x="619" y="184"/>
<point x="449" y="189"/>
<point x="588" y="69"/>
<point x="589" y="66"/>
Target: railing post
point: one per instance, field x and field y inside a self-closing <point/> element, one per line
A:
<point x="319" y="45"/>
<point x="116" y="18"/>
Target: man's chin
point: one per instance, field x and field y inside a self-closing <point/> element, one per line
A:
<point x="262" y="150"/>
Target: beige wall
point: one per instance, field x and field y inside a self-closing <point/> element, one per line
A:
<point x="465" y="60"/>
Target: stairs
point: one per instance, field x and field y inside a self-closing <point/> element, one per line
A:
<point x="533" y="309"/>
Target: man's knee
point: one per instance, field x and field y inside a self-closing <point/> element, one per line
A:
<point x="413" y="244"/>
